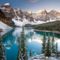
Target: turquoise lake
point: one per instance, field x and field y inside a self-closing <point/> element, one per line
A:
<point x="33" y="42"/>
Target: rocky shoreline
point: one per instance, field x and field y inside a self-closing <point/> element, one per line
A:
<point x="42" y="57"/>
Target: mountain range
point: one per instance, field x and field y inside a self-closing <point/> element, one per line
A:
<point x="7" y="13"/>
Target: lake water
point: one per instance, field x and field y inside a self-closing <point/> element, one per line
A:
<point x="33" y="42"/>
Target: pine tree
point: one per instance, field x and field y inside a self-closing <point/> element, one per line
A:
<point x="22" y="49"/>
<point x="48" y="51"/>
<point x="44" y="43"/>
<point x="30" y="53"/>
<point x="56" y="49"/>
<point x="2" y="51"/>
<point x="53" y="47"/>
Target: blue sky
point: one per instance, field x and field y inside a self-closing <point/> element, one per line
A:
<point x="33" y="4"/>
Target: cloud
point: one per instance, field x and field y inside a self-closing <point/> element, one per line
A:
<point x="33" y="1"/>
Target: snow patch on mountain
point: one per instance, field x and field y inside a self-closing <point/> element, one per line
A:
<point x="24" y="21"/>
<point x="4" y="27"/>
<point x="18" y="22"/>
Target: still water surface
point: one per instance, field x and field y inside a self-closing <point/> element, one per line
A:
<point x="33" y="42"/>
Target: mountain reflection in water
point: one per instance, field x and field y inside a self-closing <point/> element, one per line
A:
<point x="34" y="42"/>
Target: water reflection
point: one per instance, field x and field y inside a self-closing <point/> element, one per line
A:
<point x="33" y="44"/>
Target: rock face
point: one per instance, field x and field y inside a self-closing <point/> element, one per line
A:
<point x="7" y="10"/>
<point x="45" y="16"/>
<point x="6" y="20"/>
<point x="7" y="13"/>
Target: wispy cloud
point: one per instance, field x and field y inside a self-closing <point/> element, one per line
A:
<point x="33" y="1"/>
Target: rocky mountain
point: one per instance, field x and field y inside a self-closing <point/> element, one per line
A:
<point x="44" y="15"/>
<point x="7" y="13"/>
<point x="5" y="19"/>
<point x="10" y="15"/>
<point x="7" y="10"/>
